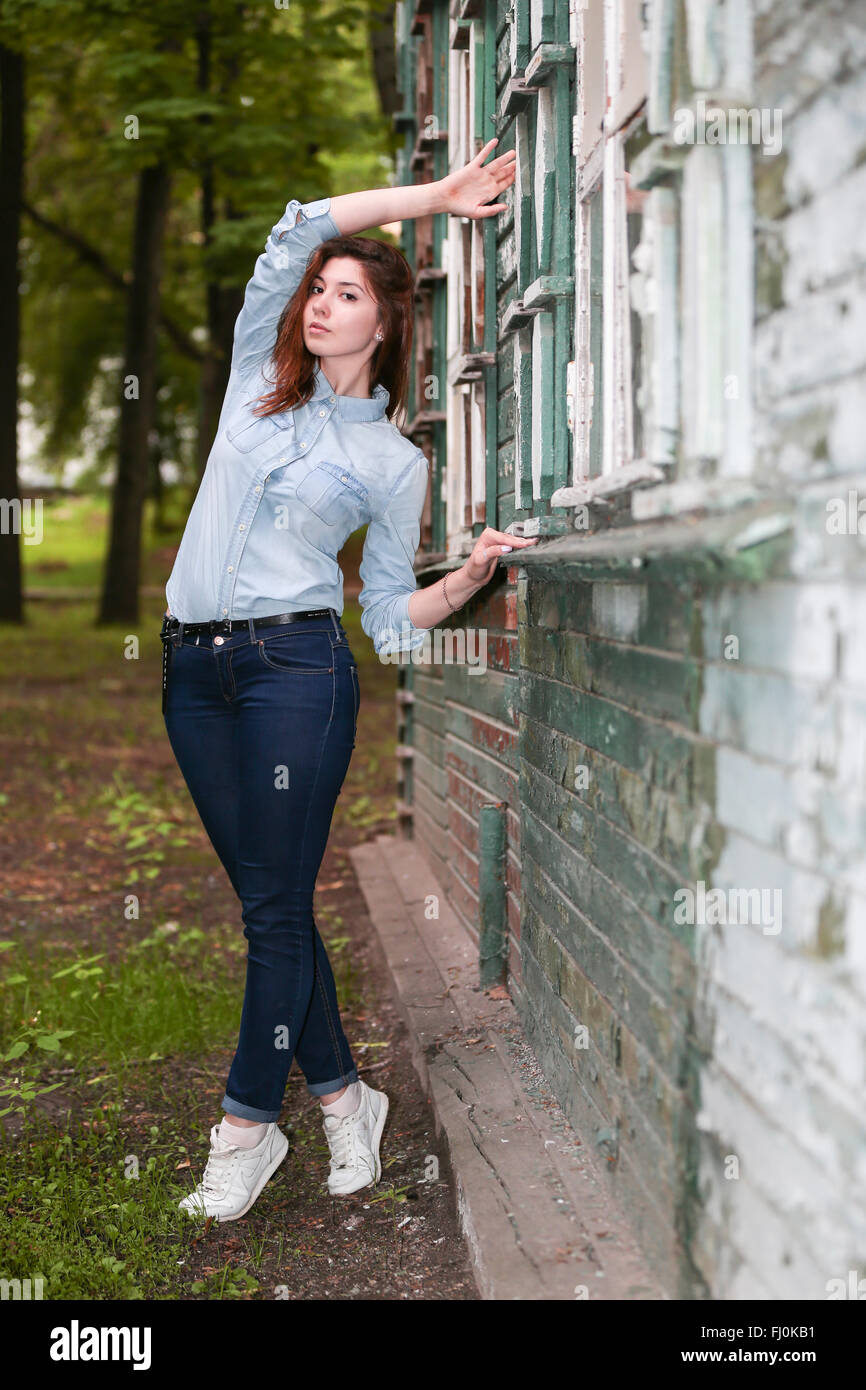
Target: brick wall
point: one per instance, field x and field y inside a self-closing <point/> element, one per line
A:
<point x="652" y="733"/>
<point x="465" y="741"/>
<point x="783" y="1087"/>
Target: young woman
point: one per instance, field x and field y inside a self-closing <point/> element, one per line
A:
<point x="260" y="686"/>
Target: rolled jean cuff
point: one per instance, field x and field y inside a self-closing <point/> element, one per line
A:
<point x="248" y="1112"/>
<point x="324" y="1088"/>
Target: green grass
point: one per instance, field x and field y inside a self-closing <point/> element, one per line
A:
<point x="72" y="549"/>
<point x="154" y="1000"/>
<point x="93" y="1210"/>
<point x="88" y="1218"/>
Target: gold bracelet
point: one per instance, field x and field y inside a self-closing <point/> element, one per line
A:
<point x="445" y="593"/>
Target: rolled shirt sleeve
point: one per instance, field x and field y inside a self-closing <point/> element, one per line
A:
<point x="276" y="276"/>
<point x="386" y="569"/>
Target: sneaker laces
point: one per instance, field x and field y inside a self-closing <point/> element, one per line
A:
<point x="217" y="1172"/>
<point x="341" y="1138"/>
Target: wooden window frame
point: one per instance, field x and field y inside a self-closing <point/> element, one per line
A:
<point x="601" y="378"/>
<point x="466" y="269"/>
<point x="696" y="253"/>
<point x="536" y="318"/>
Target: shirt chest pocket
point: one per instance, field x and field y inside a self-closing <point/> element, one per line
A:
<point x="248" y="432"/>
<point x="335" y="495"/>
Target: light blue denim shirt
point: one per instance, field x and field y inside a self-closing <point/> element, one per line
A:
<point x="280" y="494"/>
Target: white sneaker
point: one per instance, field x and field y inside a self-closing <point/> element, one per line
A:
<point x="354" y="1143"/>
<point x="234" y="1177"/>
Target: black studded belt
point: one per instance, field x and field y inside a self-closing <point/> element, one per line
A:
<point x="170" y="625"/>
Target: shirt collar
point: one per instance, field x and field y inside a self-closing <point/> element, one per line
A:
<point x="353" y="407"/>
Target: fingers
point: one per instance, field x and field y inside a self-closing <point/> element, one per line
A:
<point x="504" y="549"/>
<point x="482" y="154"/>
<point x="496" y="543"/>
<point x="505" y="536"/>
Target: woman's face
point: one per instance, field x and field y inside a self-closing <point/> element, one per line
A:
<point x="341" y="302"/>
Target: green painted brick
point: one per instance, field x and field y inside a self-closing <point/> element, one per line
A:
<point x="666" y="687"/>
<point x="654" y="1219"/>
<point x="662" y="822"/>
<point x="653" y="1019"/>
<point x="657" y="752"/>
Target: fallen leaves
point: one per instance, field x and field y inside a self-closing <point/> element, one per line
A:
<point x="497" y="992"/>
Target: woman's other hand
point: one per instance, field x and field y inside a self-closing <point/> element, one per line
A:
<point x="466" y="191"/>
<point x="487" y="549"/>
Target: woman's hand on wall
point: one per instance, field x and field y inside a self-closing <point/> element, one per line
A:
<point x="487" y="549"/>
<point x="466" y="191"/>
<point x="435" y="604"/>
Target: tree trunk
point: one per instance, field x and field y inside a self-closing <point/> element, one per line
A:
<point x="137" y="401"/>
<point x="216" y="365"/>
<point x="11" y="192"/>
<point x="222" y="303"/>
<point x="384" y="58"/>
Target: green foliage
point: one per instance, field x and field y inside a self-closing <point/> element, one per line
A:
<point x="288" y="108"/>
<point x="156" y="999"/>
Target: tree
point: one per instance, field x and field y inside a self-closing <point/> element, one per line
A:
<point x="120" y="589"/>
<point x="11" y="191"/>
<point x="137" y="251"/>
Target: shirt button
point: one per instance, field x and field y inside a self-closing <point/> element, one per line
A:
<point x="225" y="610"/>
<point x="231" y="567"/>
<point x="321" y="412"/>
<point x="258" y="489"/>
<point x="332" y="400"/>
<point x="241" y="527"/>
<point x="303" y="443"/>
<point x="344" y="478"/>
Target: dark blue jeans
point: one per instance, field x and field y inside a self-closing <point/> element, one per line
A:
<point x="262" y="724"/>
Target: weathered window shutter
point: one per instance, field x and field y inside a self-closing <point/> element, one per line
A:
<point x="535" y="104"/>
<point x="614" y="384"/>
<point x="543" y="406"/>
<point x="467" y="360"/>
<point x="702" y="300"/>
<point x="522" y="385"/>
<point x="661" y="355"/>
<point x="544" y="181"/>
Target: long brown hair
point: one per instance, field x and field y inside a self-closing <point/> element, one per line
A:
<point x="393" y="286"/>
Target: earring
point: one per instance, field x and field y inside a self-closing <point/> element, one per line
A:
<point x="379" y="336"/>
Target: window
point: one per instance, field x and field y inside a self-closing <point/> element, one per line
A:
<point x="608" y="393"/>
<point x="659" y="385"/>
<point x="535" y="261"/>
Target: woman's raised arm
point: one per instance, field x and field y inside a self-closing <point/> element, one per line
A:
<point x="465" y="192"/>
<point x="303" y="226"/>
<point x="276" y="275"/>
<point x="356" y="212"/>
